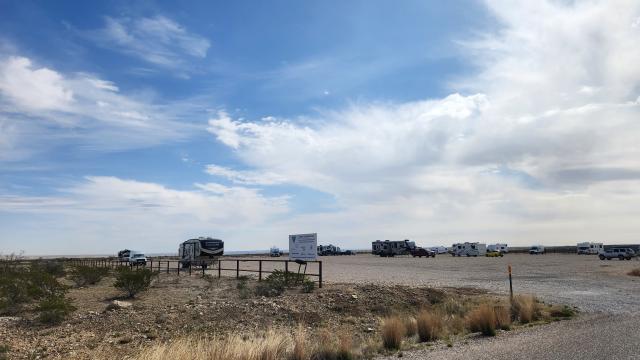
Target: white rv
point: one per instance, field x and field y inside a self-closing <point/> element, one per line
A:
<point x="502" y="248"/>
<point x="589" y="248"/>
<point x="439" y="249"/>
<point x="200" y="251"/>
<point x="469" y="249"/>
<point x="392" y="248"/>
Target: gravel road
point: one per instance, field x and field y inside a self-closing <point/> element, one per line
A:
<point x="609" y="299"/>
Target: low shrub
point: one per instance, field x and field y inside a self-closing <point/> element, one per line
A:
<point x="269" y="289"/>
<point x="429" y="326"/>
<point x="4" y="352"/>
<point x="308" y="285"/>
<point x="54" y="309"/>
<point x="392" y="333"/>
<point x="634" y="272"/>
<point x="243" y="288"/>
<point x="51" y="267"/>
<point x="563" y="311"/>
<point x="525" y="308"/>
<point x="132" y="281"/>
<point x="483" y="320"/>
<point x="83" y="275"/>
<point x="19" y="286"/>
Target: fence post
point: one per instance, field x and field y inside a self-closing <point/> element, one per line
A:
<point x="286" y="266"/>
<point x="178" y="267"/>
<point x="219" y="268"/>
<point x="203" y="270"/>
<point x="320" y="274"/>
<point x="167" y="266"/>
<point x="237" y="269"/>
<point x="189" y="269"/>
<point x="510" y="286"/>
<point x="259" y="270"/>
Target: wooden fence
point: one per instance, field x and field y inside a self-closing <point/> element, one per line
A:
<point x="221" y="267"/>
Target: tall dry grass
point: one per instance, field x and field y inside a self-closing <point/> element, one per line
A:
<point x="430" y="326"/>
<point x="392" y="332"/>
<point x="271" y="346"/>
<point x="483" y="320"/>
<point x="410" y="326"/>
<point x="525" y="308"/>
<point x="300" y="345"/>
<point x="503" y="317"/>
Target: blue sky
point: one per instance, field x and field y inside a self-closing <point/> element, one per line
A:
<point x="141" y="125"/>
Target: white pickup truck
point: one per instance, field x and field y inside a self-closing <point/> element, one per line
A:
<point x="137" y="258"/>
<point x="536" y="250"/>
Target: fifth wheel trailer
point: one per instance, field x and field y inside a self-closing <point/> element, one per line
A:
<point x="200" y="252"/>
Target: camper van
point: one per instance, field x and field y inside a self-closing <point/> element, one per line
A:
<point x="501" y="248"/>
<point x="469" y="249"/>
<point x="200" y="251"/>
<point x="392" y="248"/>
<point x="589" y="248"/>
<point x="324" y="250"/>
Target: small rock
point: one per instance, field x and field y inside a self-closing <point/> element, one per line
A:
<point x="124" y="340"/>
<point x="370" y="329"/>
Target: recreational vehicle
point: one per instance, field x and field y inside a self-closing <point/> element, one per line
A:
<point x="123" y="255"/>
<point x="589" y="248"/>
<point x="392" y="248"/>
<point x="275" y="252"/>
<point x="200" y="251"/>
<point x="324" y="250"/>
<point x="469" y="249"/>
<point x="439" y="249"/>
<point x="502" y="248"/>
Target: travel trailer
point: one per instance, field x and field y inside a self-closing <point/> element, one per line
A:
<point x="589" y="248"/>
<point x="392" y="248"/>
<point x="503" y="248"/>
<point x="324" y="250"/>
<point x="469" y="249"/>
<point x="536" y="250"/>
<point x="123" y="255"/>
<point x="439" y="249"/>
<point x="200" y="251"/>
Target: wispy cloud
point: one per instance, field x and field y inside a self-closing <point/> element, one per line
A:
<point x="43" y="106"/>
<point x="157" y="40"/>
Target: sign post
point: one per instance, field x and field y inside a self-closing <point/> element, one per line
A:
<point x="303" y="247"/>
<point x="510" y="285"/>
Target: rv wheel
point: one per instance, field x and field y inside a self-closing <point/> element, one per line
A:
<point x="601" y="257"/>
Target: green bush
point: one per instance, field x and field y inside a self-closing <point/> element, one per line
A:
<point x="54" y="309"/>
<point x="4" y="350"/>
<point x="83" y="275"/>
<point x="243" y="287"/>
<point x="132" y="281"/>
<point x="269" y="289"/>
<point x="19" y="286"/>
<point x="308" y="285"/>
<point x="51" y="267"/>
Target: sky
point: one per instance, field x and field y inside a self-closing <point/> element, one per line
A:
<point x="140" y="125"/>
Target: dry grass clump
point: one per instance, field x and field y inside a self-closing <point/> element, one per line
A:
<point x="300" y="346"/>
<point x="327" y="348"/>
<point x="410" y="326"/>
<point x="392" y="332"/>
<point x="483" y="319"/>
<point x="634" y="272"/>
<point x="525" y="308"/>
<point x="430" y="326"/>
<point x="503" y="317"/>
<point x="271" y="346"/>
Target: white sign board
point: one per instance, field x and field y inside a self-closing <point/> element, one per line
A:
<point x="303" y="247"/>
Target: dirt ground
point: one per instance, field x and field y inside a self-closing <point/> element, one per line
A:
<point x="186" y="305"/>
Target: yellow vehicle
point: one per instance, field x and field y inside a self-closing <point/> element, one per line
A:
<point x="494" y="254"/>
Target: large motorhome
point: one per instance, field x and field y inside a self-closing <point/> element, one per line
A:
<point x="392" y="248"/>
<point x="469" y="249"/>
<point x="200" y="251"/>
<point x="503" y="248"/>
<point x="589" y="248"/>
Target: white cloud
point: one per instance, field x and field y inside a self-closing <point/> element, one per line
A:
<point x="246" y="177"/>
<point x="143" y="215"/>
<point x="539" y="153"/>
<point x="158" y="40"/>
<point x="42" y="106"/>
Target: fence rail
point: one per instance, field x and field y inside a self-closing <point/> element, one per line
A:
<point x="220" y="267"/>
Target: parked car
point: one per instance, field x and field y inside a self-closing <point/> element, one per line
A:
<point x="494" y="254"/>
<point x="137" y="258"/>
<point x="536" y="250"/>
<point x="620" y="253"/>
<point x="420" y="252"/>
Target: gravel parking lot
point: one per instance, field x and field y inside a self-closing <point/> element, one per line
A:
<point x="584" y="281"/>
<point x="608" y="328"/>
